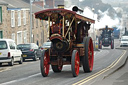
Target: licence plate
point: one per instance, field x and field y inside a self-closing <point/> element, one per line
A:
<point x="0" y="53"/>
<point x="24" y="55"/>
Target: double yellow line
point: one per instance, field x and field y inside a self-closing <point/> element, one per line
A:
<point x="100" y="72"/>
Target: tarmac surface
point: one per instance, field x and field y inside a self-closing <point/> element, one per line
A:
<point x="118" y="77"/>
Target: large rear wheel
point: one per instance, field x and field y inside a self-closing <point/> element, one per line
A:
<point x="89" y="55"/>
<point x="75" y="63"/>
<point x="44" y="63"/>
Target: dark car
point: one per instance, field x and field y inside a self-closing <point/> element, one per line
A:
<point x="30" y="51"/>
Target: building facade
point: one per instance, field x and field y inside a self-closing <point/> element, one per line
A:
<point x="15" y="24"/>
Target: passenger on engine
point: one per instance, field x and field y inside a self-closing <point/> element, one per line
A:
<point x="56" y="27"/>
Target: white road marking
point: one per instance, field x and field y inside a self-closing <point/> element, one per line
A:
<point x="21" y="79"/>
<point x="17" y="80"/>
<point x="15" y="65"/>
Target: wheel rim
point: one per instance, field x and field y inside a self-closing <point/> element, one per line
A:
<point x="46" y="63"/>
<point x="90" y="54"/>
<point x="77" y="63"/>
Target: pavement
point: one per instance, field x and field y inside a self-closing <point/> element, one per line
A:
<point x="119" y="75"/>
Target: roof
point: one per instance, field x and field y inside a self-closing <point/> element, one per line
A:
<point x="7" y="40"/>
<point x="107" y="28"/>
<point x="48" y="12"/>
<point x="12" y="4"/>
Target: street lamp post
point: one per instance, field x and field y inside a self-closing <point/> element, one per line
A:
<point x="93" y="29"/>
<point x="31" y="21"/>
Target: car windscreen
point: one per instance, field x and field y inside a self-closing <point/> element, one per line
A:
<point x="124" y="39"/>
<point x="3" y="45"/>
<point x="47" y="44"/>
<point x="24" y="46"/>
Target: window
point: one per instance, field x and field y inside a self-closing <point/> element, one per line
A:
<point x="19" y="37"/>
<point x="23" y="46"/>
<point x="35" y="46"/>
<point x="12" y="45"/>
<point x="13" y="36"/>
<point x="0" y="14"/>
<point x="24" y="17"/>
<point x="19" y="18"/>
<point x="3" y="45"/>
<point x="12" y="18"/>
<point x="1" y="34"/>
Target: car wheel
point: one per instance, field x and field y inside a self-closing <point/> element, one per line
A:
<point x="21" y="60"/>
<point x="35" y="57"/>
<point x="12" y="62"/>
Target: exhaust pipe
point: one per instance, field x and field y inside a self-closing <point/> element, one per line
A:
<point x="76" y="9"/>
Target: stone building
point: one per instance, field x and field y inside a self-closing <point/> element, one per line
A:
<point x="15" y="22"/>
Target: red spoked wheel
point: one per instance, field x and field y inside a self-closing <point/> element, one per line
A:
<point x="89" y="55"/>
<point x="75" y="63"/>
<point x="44" y="63"/>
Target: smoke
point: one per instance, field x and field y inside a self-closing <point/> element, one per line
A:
<point x="101" y="19"/>
<point x="106" y="20"/>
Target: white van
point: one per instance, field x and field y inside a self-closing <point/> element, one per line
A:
<point x="9" y="52"/>
<point x="124" y="41"/>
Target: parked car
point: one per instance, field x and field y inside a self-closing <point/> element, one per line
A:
<point x="46" y="45"/>
<point x="30" y="51"/>
<point x="124" y="41"/>
<point x="9" y="52"/>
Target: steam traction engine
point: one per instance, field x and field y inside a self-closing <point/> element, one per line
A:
<point x="68" y="32"/>
<point x="106" y="39"/>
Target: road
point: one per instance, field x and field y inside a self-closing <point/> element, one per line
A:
<point x="29" y="72"/>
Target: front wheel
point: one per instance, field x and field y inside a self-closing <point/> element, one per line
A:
<point x="89" y="55"/>
<point x="21" y="60"/>
<point x="112" y="44"/>
<point x="75" y="63"/>
<point x="35" y="57"/>
<point x="44" y="63"/>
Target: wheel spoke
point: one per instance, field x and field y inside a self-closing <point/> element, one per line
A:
<point x="77" y="63"/>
